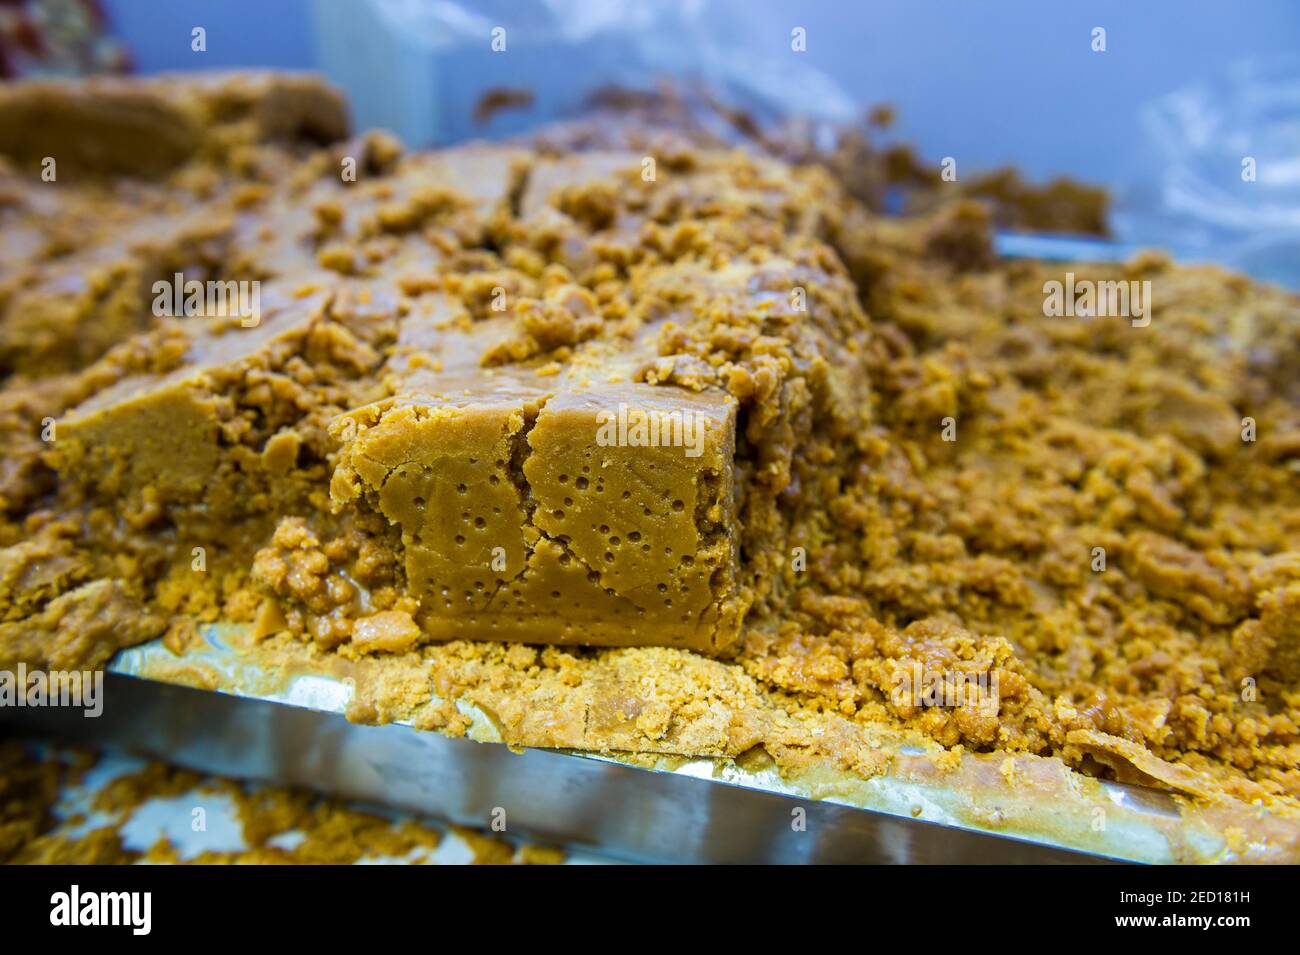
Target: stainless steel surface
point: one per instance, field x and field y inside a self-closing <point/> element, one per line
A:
<point x="571" y="799"/>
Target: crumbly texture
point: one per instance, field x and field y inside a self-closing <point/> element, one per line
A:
<point x="932" y="476"/>
<point x="278" y="826"/>
<point x="97" y="127"/>
<point x="875" y="169"/>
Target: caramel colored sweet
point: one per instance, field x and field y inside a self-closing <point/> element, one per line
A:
<point x="519" y="524"/>
<point x="112" y="126"/>
<point x="916" y="471"/>
<point x="176" y="434"/>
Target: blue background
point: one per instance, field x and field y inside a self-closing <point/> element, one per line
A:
<point x="948" y="65"/>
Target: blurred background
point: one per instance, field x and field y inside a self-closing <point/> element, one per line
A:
<point x="1163" y="108"/>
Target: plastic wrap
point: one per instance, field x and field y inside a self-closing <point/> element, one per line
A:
<point x="420" y="67"/>
<point x="1223" y="182"/>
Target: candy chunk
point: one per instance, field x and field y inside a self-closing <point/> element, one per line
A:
<point x="97" y="127"/>
<point x="445" y="473"/>
<point x="166" y="438"/>
<point x="637" y="479"/>
<point x="596" y="516"/>
<point x="390" y="631"/>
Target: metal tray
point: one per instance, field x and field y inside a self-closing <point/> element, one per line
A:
<point x="638" y="808"/>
